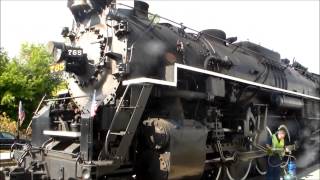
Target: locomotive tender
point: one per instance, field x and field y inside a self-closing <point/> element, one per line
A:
<point x="149" y="100"/>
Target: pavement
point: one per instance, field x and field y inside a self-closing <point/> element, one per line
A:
<point x="310" y="173"/>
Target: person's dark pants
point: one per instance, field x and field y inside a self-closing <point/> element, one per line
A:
<point x="274" y="169"/>
<point x="273" y="173"/>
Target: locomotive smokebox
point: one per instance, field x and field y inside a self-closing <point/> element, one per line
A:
<point x="141" y="9"/>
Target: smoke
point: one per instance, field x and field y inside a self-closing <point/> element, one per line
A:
<point x="154" y="48"/>
<point x="308" y="157"/>
<point x="147" y="57"/>
<point x="310" y="147"/>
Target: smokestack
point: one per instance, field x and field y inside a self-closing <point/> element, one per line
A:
<point x="79" y="9"/>
<point x="141" y="9"/>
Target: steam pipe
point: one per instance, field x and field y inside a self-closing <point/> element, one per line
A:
<point x="288" y="102"/>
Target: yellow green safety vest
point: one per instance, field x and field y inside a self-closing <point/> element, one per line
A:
<point x="276" y="143"/>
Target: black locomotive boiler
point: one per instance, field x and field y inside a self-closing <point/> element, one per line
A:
<point x="149" y="100"/>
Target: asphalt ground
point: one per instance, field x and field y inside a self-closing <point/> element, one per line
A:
<point x="310" y="173"/>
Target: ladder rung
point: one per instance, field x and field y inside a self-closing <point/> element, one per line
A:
<point x="128" y="107"/>
<point x="129" y="126"/>
<point x="121" y="133"/>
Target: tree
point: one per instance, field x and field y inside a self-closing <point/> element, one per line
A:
<point x="26" y="78"/>
<point x="3" y="60"/>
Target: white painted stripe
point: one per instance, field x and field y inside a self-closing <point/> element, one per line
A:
<point x="62" y="133"/>
<point x="194" y="69"/>
<point x="148" y="80"/>
<point x="243" y="81"/>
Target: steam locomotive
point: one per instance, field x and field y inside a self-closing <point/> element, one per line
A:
<point x="150" y="100"/>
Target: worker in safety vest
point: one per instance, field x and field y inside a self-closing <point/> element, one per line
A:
<point x="276" y="150"/>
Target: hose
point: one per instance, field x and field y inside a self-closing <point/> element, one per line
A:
<point x="260" y="147"/>
<point x="282" y="165"/>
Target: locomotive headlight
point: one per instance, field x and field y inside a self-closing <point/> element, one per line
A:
<point x="57" y="54"/>
<point x="56" y="49"/>
<point x="60" y="51"/>
<point x="73" y="57"/>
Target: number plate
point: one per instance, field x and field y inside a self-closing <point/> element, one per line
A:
<point x="74" y="52"/>
<point x="54" y="68"/>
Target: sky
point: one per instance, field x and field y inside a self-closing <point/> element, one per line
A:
<point x="288" y="27"/>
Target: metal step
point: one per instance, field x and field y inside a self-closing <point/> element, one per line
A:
<point x="67" y="134"/>
<point x="121" y="133"/>
<point x="128" y="107"/>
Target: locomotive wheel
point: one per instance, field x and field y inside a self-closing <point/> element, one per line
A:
<point x="152" y="165"/>
<point x="212" y="174"/>
<point x="238" y="170"/>
<point x="261" y="165"/>
<point x="219" y="172"/>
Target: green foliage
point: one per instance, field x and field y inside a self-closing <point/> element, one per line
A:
<point x="26" y="78"/>
<point x="3" y="60"/>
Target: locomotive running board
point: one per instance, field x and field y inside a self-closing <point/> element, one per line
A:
<point x="69" y="134"/>
<point x="172" y="79"/>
